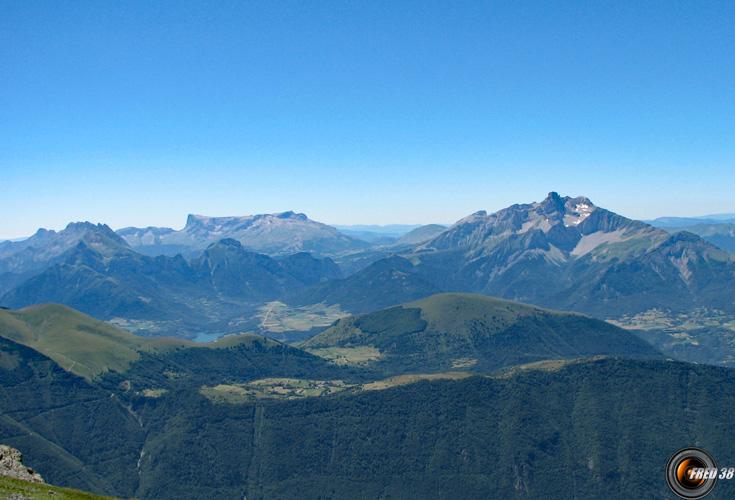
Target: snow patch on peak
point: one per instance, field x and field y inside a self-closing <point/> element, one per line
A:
<point x="577" y="213"/>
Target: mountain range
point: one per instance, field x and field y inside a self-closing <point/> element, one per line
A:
<point x="275" y="234"/>
<point x="566" y="253"/>
<point x="20" y="260"/>
<point x="563" y="253"/>
<point x="181" y="296"/>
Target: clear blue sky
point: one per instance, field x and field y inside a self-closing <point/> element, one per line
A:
<point x="137" y="113"/>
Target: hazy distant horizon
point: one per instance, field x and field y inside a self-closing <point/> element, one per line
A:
<point x="182" y="222"/>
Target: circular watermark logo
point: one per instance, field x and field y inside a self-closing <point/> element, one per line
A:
<point x="691" y="473"/>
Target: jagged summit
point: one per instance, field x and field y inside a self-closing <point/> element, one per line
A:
<point x="552" y="203"/>
<point x="562" y="222"/>
<point x="46" y="245"/>
<point x="568" y="253"/>
<point x="85" y="225"/>
<point x="568" y="210"/>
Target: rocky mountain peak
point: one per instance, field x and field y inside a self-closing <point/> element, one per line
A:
<point x="225" y="246"/>
<point x="553" y="200"/>
<point x="576" y="210"/>
<point x="554" y="204"/>
<point x="193" y="219"/>
<point x="79" y="226"/>
<point x="560" y="221"/>
<point x="85" y="229"/>
<point x="43" y="232"/>
<point x="11" y="465"/>
<point x="227" y="242"/>
<point x="474" y="217"/>
<point x="292" y="215"/>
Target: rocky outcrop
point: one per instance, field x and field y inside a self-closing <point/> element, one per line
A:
<point x="11" y="465"/>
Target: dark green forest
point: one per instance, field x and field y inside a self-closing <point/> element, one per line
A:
<point x="600" y="428"/>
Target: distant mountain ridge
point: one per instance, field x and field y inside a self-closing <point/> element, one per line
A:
<point x="273" y="234"/>
<point x="559" y="222"/>
<point x="383" y="283"/>
<point x="718" y="230"/>
<point x="421" y="234"/>
<point x="396" y="230"/>
<point x="114" y="281"/>
<point x="376" y="234"/>
<point x="22" y="259"/>
<point x="564" y="253"/>
<point x="36" y="251"/>
<point x="673" y="222"/>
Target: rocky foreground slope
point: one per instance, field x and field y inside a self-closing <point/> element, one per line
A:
<point x="11" y="465"/>
<point x="20" y="482"/>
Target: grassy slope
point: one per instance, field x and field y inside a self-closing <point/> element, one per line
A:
<point x="449" y="331"/>
<point x="444" y="313"/>
<point x="87" y="347"/>
<point x="453" y="311"/>
<point x="38" y="491"/>
<point x="75" y="341"/>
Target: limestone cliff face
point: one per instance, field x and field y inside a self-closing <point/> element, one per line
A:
<point x="11" y="465"/>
